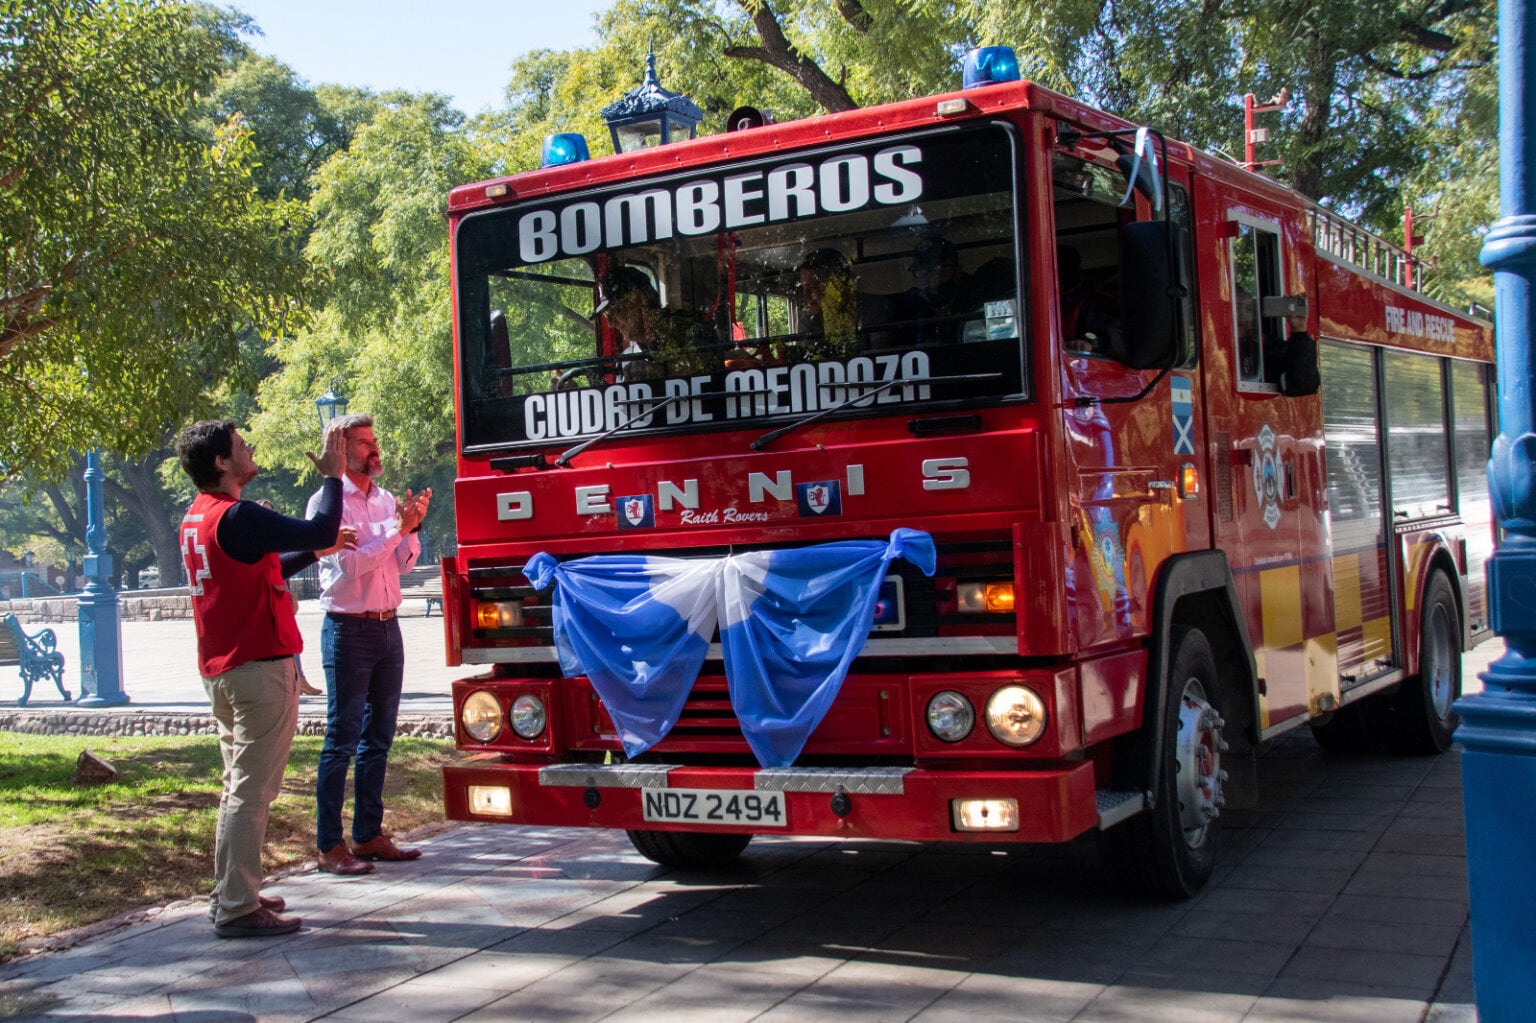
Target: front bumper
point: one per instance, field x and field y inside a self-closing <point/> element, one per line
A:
<point x="1055" y="804"/>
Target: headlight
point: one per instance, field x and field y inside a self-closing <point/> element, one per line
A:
<point x="1016" y="715"/>
<point x="981" y="598"/>
<point x="481" y="716"/>
<point x="950" y="716"/>
<point x="504" y="614"/>
<point x="528" y="716"/>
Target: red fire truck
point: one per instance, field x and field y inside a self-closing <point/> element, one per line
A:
<point x="1200" y="461"/>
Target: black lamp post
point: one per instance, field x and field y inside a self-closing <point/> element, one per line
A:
<point x="330" y="405"/>
<point x="650" y="115"/>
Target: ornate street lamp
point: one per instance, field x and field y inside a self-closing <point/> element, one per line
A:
<point x="1498" y="725"/>
<point x="330" y="405"/>
<point x="650" y="115"/>
<point x="101" y="636"/>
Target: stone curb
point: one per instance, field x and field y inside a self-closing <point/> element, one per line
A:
<point x="96" y="722"/>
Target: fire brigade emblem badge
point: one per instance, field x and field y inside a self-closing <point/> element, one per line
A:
<point x="816" y="499"/>
<point x="1266" y="477"/>
<point x="635" y="512"/>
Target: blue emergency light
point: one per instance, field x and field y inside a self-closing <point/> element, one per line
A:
<point x="988" y="65"/>
<point x="566" y="147"/>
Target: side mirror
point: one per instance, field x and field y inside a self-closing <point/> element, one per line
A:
<point x="499" y="348"/>
<point x="1141" y="172"/>
<point x="1154" y="285"/>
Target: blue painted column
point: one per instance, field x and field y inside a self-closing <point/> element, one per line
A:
<point x="101" y="637"/>
<point x="1498" y="732"/>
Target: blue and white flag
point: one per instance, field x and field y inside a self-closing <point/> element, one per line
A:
<point x="638" y="627"/>
<point x="792" y="621"/>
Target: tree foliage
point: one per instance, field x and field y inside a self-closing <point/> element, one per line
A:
<point x="135" y="253"/>
<point x="382" y="334"/>
<point x="294" y="128"/>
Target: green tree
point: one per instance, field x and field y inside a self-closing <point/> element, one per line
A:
<point x="294" y="128"/>
<point x="383" y="331"/>
<point x="136" y="253"/>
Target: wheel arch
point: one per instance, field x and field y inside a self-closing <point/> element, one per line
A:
<point x="1194" y="590"/>
<point x="1438" y="558"/>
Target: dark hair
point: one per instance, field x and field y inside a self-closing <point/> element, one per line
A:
<point x="825" y="261"/>
<point x="201" y="443"/>
<point x="933" y="252"/>
<point x="622" y="281"/>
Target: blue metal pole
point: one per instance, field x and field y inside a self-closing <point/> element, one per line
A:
<point x="1498" y="732"/>
<point x="101" y="637"/>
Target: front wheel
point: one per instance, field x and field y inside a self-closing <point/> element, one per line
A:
<point x="689" y="848"/>
<point x="1169" y="851"/>
<point x="1422" y="713"/>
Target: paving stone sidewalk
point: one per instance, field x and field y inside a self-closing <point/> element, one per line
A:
<point x="1342" y="898"/>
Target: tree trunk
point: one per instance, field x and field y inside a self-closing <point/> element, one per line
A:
<point x="145" y="498"/>
<point x="1306" y="165"/>
<point x="777" y="51"/>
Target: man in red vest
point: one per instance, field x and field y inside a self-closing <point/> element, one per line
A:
<point x="247" y="635"/>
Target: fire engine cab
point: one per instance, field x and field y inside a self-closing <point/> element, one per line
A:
<point x="1128" y="461"/>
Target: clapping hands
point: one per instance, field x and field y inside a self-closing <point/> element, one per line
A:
<point x="346" y="540"/>
<point x="332" y="461"/>
<point x="412" y="508"/>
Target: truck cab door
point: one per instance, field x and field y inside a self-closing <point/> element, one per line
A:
<point x="1270" y="482"/>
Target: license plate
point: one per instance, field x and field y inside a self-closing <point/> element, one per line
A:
<point x="715" y="806"/>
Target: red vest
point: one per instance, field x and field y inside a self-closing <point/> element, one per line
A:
<point x="242" y="612"/>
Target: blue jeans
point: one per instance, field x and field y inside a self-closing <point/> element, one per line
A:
<point x="364" y="664"/>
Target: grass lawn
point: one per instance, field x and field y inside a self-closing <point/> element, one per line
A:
<point x="72" y="855"/>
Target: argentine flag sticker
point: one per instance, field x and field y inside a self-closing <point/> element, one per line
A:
<point x="635" y="512"/>
<point x="815" y="499"/>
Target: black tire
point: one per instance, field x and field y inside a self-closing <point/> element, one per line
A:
<point x="1422" y="710"/>
<point x="689" y="848"/>
<point x="1170" y="851"/>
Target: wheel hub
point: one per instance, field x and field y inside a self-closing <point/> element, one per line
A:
<point x="1435" y="662"/>
<point x="1197" y="761"/>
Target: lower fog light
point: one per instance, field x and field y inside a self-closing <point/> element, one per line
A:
<point x="492" y="800"/>
<point x="985" y="814"/>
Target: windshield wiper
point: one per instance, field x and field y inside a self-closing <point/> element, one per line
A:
<point x="872" y="388"/>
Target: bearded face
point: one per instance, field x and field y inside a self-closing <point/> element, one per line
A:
<point x="363" y="452"/>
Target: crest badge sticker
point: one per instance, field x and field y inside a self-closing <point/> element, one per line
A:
<point x="1266" y="477"/>
<point x="635" y="512"/>
<point x="821" y="498"/>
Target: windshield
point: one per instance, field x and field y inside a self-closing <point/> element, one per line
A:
<point x="747" y="295"/>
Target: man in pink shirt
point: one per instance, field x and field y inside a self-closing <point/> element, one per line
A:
<point x="362" y="654"/>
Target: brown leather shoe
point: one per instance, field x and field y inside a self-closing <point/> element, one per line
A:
<point x="259" y="923"/>
<point x="382" y="847"/>
<point x="273" y="902"/>
<point x="337" y="860"/>
<point x="306" y="689"/>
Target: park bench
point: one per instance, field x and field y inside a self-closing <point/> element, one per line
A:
<point x="433" y="595"/>
<point x="35" y="654"/>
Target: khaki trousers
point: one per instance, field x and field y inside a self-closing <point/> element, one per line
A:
<point x="257" y="707"/>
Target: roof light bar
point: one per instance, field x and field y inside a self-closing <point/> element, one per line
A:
<point x="566" y="147"/>
<point x="988" y="65"/>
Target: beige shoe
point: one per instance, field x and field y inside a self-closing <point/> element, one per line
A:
<point x="305" y="689"/>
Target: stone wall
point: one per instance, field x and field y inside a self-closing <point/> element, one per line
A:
<point x="132" y="606"/>
<point x="119" y="722"/>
